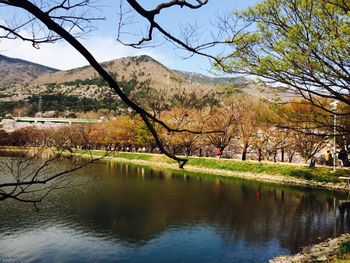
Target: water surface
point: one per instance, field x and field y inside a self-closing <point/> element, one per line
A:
<point x="129" y="213"/>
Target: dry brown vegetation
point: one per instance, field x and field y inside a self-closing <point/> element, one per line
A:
<point x="15" y="71"/>
<point x="142" y="68"/>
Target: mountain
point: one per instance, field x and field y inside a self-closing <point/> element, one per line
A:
<point x="15" y="71"/>
<point x="216" y="81"/>
<point x="84" y="82"/>
<point x="140" y="68"/>
<point x="82" y="89"/>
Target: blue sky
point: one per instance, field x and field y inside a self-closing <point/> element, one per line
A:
<point x="102" y="41"/>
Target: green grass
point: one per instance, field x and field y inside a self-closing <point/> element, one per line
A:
<point x="344" y="253"/>
<point x="345" y="248"/>
<point x="320" y="174"/>
<point x="132" y="156"/>
<point x="144" y="157"/>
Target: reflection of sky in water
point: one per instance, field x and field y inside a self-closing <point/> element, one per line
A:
<point x="131" y="214"/>
<point x="56" y="244"/>
<point x="61" y="244"/>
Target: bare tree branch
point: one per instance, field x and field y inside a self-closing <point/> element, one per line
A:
<point x="45" y="18"/>
<point x="189" y="38"/>
<point x="38" y="170"/>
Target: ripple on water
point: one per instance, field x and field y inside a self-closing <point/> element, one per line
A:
<point x="154" y="218"/>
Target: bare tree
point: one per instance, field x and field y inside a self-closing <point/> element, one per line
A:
<point x="30" y="173"/>
<point x="301" y="46"/>
<point x="59" y="20"/>
<point x="213" y="42"/>
<point x="224" y="118"/>
<point x="307" y="145"/>
<point x="189" y="38"/>
<point x="41" y="21"/>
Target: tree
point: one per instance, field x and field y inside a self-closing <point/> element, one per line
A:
<point x="183" y="117"/>
<point x="153" y="100"/>
<point x="250" y="112"/>
<point x="307" y="145"/>
<point x="124" y="130"/>
<point x="33" y="172"/>
<point x="144" y="137"/>
<point x="224" y="118"/>
<point x="50" y="21"/>
<point x="308" y="127"/>
<point x="61" y="20"/>
<point x="187" y="41"/>
<point x="302" y="45"/>
<point x="101" y="135"/>
<point x="288" y="147"/>
<point x="301" y="115"/>
<point x="268" y="141"/>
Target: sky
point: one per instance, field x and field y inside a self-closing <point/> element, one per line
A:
<point x="102" y="43"/>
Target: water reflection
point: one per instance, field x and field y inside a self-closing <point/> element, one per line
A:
<point x="134" y="214"/>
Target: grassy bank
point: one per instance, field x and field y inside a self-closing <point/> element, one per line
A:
<point x="319" y="174"/>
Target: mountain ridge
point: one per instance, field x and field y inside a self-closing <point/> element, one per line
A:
<point x="85" y="82"/>
<point x="18" y="60"/>
<point x="83" y="89"/>
<point x="205" y="79"/>
<point x="15" y="71"/>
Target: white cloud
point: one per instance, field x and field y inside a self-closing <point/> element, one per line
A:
<point x="62" y="56"/>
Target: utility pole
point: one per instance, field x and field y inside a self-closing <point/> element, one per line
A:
<point x="334" y="108"/>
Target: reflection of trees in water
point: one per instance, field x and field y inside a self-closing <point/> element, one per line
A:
<point x="135" y="204"/>
<point x="343" y="219"/>
<point x="293" y="217"/>
<point x="309" y="222"/>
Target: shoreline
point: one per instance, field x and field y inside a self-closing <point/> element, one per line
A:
<point x="326" y="251"/>
<point x="261" y="177"/>
<point x="320" y="252"/>
<point x="267" y="172"/>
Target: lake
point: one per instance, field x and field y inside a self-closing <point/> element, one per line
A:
<point x="127" y="213"/>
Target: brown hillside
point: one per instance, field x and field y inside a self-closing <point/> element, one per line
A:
<point x="146" y="68"/>
<point x="141" y="67"/>
<point x="14" y="71"/>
